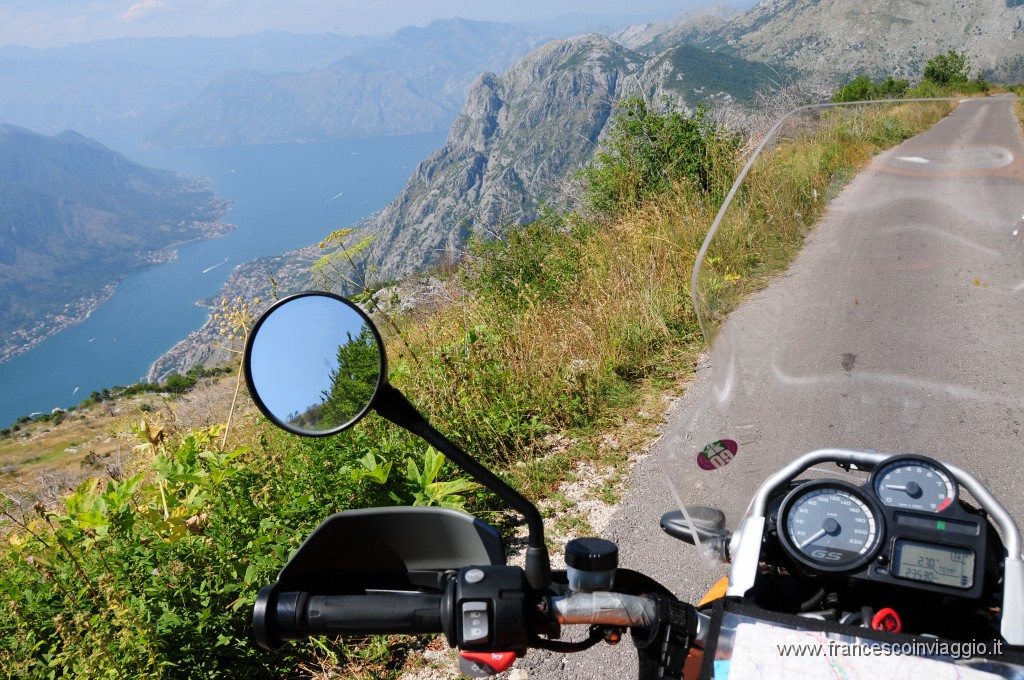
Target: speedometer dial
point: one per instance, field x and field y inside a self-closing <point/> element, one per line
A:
<point x="830" y="526"/>
<point x="913" y="483"/>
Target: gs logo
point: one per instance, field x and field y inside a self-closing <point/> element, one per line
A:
<point x="828" y="555"/>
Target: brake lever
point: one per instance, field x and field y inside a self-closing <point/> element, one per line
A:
<point x="597" y="634"/>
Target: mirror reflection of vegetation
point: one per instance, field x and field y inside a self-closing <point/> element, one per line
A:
<point x="314" y="362"/>
<point x="353" y="383"/>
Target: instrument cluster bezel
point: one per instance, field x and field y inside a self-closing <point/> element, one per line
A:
<point x="892" y="523"/>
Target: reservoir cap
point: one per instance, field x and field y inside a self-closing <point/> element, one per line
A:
<point x="592" y="554"/>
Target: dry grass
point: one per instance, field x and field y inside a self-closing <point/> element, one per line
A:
<point x="43" y="461"/>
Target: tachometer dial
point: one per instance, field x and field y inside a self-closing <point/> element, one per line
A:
<point x="830" y="526"/>
<point x="912" y="483"/>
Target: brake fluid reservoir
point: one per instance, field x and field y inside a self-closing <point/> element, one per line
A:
<point x="591" y="564"/>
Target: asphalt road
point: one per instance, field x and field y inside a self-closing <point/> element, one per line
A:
<point x="898" y="328"/>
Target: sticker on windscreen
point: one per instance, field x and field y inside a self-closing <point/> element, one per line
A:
<point x="717" y="454"/>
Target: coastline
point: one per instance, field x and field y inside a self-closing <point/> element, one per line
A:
<point x="77" y="311"/>
<point x="23" y="340"/>
<point x="267" y="278"/>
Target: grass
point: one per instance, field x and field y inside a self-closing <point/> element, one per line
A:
<point x="86" y="440"/>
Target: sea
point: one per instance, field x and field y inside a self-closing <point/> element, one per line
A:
<point x="284" y="196"/>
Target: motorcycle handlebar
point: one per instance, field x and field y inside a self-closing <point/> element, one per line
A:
<point x="486" y="613"/>
<point x="605" y="608"/>
<point x="296" y="615"/>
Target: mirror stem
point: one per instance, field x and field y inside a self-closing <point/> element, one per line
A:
<point x="392" y="405"/>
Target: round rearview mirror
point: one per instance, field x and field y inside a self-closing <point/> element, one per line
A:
<point x="314" y="363"/>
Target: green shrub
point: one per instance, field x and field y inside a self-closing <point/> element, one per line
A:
<point x="859" y="89"/>
<point x="177" y="384"/>
<point x="952" y="68"/>
<point x="647" y="151"/>
<point x="862" y="88"/>
<point x="892" y="88"/>
<point x="541" y="262"/>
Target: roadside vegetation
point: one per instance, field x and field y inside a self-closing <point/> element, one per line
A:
<point x="945" y="75"/>
<point x="546" y="340"/>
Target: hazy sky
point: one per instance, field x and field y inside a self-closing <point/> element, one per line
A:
<point x="51" y="23"/>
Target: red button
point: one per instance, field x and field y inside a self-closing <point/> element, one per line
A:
<point x="888" y="620"/>
<point x="499" y="661"/>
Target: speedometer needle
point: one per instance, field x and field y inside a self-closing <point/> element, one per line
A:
<point x="812" y="539"/>
<point x="829" y="526"/>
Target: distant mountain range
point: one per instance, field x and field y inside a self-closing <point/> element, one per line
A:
<point x="268" y="87"/>
<point x="75" y="217"/>
<point x="121" y="91"/>
<point x="414" y="81"/>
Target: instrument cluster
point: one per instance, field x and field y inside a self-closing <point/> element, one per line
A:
<point x="904" y="527"/>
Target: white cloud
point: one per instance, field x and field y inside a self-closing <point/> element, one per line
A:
<point x="141" y="9"/>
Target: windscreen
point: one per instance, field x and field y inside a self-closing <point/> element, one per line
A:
<point x="862" y="288"/>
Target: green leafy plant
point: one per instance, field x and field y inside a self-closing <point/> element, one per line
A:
<point x="425" y="488"/>
<point x="373" y="469"/>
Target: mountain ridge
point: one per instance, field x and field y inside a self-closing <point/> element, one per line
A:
<point x="415" y="81"/>
<point x="833" y="40"/>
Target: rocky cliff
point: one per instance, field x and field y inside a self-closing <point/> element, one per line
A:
<point x="521" y="136"/>
<point x="831" y="40"/>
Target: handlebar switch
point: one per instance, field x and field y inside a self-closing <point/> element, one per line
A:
<point x="490" y="606"/>
<point x="485" y="664"/>
<point x="475" y="623"/>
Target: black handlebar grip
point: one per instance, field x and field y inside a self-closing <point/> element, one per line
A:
<point x="377" y="613"/>
<point x="278" y="617"/>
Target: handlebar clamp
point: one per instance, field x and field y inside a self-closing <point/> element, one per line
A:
<point x="663" y="647"/>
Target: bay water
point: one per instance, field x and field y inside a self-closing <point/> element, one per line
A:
<point x="285" y="196"/>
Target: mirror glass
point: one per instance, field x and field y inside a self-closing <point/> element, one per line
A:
<point x="314" y="363"/>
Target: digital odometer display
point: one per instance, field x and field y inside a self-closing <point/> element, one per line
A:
<point x="936" y="564"/>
